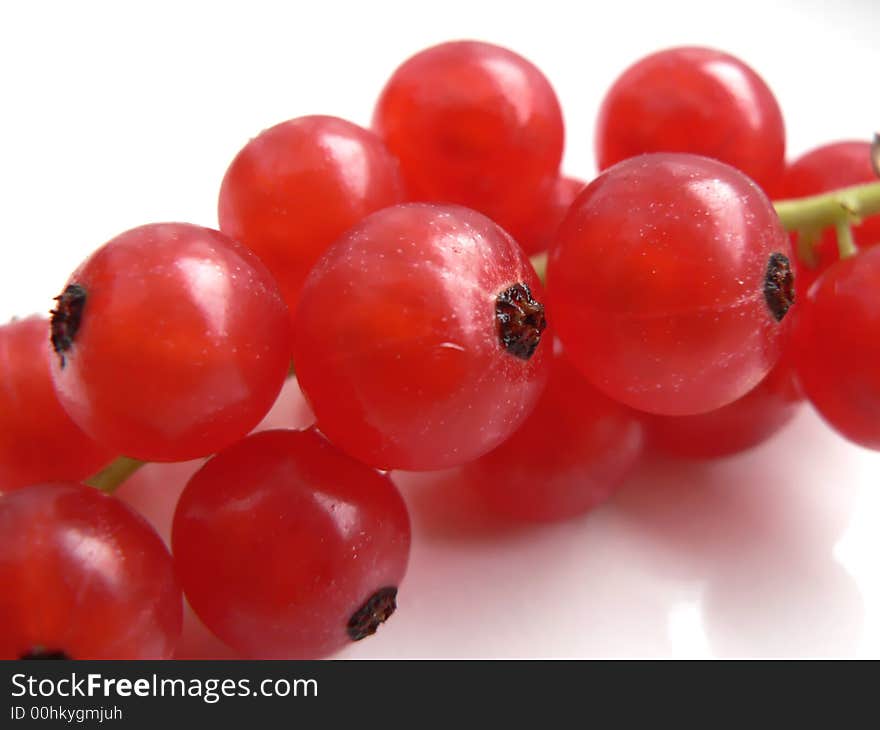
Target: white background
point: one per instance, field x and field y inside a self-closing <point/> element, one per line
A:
<point x="117" y="114"/>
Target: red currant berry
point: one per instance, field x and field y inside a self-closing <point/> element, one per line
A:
<point x="38" y="441"/>
<point x="298" y="186"/>
<point x="571" y="453"/>
<point x="694" y="100"/>
<point x="669" y="282"/>
<point x="474" y="124"/>
<point x="821" y="170"/>
<point x="153" y="490"/>
<point x="197" y="641"/>
<point x="733" y="428"/>
<point x="538" y="233"/>
<point x="84" y="577"/>
<point x="173" y="342"/>
<point x="417" y="338"/>
<point x="287" y="548"/>
<point x="838" y="347"/>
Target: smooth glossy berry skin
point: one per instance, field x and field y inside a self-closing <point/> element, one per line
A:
<point x="695" y="100"/>
<point x="399" y="346"/>
<point x="474" y="124"/>
<point x="296" y="187"/>
<point x="280" y="539"/>
<point x="83" y="575"/>
<point x="838" y="347"/>
<point x="658" y="284"/>
<point x="537" y="235"/>
<point x="153" y="490"/>
<point x="734" y="428"/>
<point x="183" y="343"/>
<point x="569" y="456"/>
<point x="38" y="441"/>
<point x="826" y="168"/>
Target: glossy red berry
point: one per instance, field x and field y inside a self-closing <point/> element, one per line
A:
<point x="669" y="282"/>
<point x="38" y="441"/>
<point x="695" y="100"/>
<point x="571" y="453"/>
<point x="418" y="338"/>
<point x="474" y="124"/>
<point x="821" y="170"/>
<point x="84" y="577"/>
<point x="287" y="548"/>
<point x="537" y="234"/>
<point x="733" y="428"/>
<point x="173" y="341"/>
<point x="296" y="187"/>
<point x="838" y="347"/>
<point x="153" y="490"/>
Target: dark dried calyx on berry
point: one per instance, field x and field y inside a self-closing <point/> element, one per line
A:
<point x="40" y="652"/>
<point x="779" y="285"/>
<point x="376" y="611"/>
<point x="520" y="320"/>
<point x="66" y="319"/>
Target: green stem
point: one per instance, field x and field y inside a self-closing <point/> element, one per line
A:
<point x="849" y="205"/>
<point x="114" y="474"/>
<point x="846" y="246"/>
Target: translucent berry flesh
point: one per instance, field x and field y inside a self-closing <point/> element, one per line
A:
<point x="571" y="453"/>
<point x="419" y="338"/>
<point x="695" y="100"/>
<point x="474" y="124"/>
<point x="733" y="428"/>
<point x="295" y="188"/>
<point x="287" y="548"/>
<point x="536" y="234"/>
<point x="83" y="576"/>
<point x="838" y="347"/>
<point x="38" y="441"/>
<point x="669" y="283"/>
<point x="181" y="342"/>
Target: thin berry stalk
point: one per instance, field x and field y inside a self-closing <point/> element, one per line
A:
<point x="112" y="476"/>
<point x="847" y="205"/>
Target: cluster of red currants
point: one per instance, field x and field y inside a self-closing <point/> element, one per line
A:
<point x="392" y="268"/>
